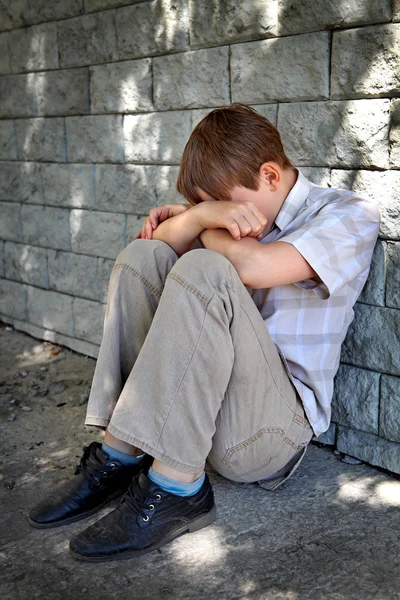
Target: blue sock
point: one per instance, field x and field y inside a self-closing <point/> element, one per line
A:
<point x="176" y="487"/>
<point x="126" y="459"/>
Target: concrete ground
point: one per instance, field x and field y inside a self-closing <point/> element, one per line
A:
<point x="331" y="532"/>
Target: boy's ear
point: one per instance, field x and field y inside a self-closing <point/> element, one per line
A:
<point x="270" y="175"/>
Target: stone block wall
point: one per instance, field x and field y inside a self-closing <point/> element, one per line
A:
<point x="97" y="101"/>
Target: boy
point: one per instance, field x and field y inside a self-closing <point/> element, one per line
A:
<point x="221" y="339"/>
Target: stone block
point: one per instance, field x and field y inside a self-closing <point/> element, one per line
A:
<point x="133" y="226"/>
<point x="179" y="83"/>
<point x="310" y="15"/>
<point x="328" y="437"/>
<point x="93" y="5"/>
<point x="374" y="289"/>
<point x="21" y="182"/>
<point x="389" y="421"/>
<point x="355" y="401"/>
<point x="229" y="21"/>
<point x="121" y="87"/>
<point x="1" y="258"/>
<point x="13" y="14"/>
<point x="97" y="233"/>
<point x="317" y="175"/>
<point x="43" y="10"/>
<point x="393" y="275"/>
<point x="269" y="111"/>
<point x="89" y="320"/>
<point x="95" y="139"/>
<point x="336" y="134"/>
<point x="74" y="274"/>
<point x="396" y="10"/>
<point x="26" y="263"/>
<point x="34" y="48"/>
<point x="372" y="339"/>
<point x="68" y="185"/>
<point x="46" y="226"/>
<point x="4" y="54"/>
<point x="10" y="222"/>
<point x="166" y="186"/>
<point x="41" y="139"/>
<point x="369" y="448"/>
<point x="50" y="310"/>
<point x="366" y="62"/>
<point x="88" y="39"/>
<point x="157" y="137"/>
<point x="64" y="92"/>
<point x="151" y="28"/>
<point x="381" y="186"/>
<point x="17" y="96"/>
<point x="104" y="267"/>
<point x="8" y="141"/>
<point x="394" y="135"/>
<point x="290" y="68"/>
<point x="126" y="188"/>
<point x="13" y="299"/>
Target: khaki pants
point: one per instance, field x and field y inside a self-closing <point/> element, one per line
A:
<point x="187" y="370"/>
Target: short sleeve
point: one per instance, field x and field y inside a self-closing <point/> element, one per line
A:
<point x="338" y="243"/>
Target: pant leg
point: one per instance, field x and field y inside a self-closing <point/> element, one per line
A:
<point x="209" y="381"/>
<point x="136" y="283"/>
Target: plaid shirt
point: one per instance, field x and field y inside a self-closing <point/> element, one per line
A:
<point x="335" y="231"/>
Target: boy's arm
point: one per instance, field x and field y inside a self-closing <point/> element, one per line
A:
<point x="179" y="231"/>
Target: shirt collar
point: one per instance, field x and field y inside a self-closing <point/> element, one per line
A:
<point x="293" y="201"/>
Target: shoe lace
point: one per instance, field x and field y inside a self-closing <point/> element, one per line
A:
<point x="90" y="466"/>
<point x="135" y="497"/>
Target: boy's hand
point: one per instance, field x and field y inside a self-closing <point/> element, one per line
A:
<point x="239" y="218"/>
<point x="157" y="215"/>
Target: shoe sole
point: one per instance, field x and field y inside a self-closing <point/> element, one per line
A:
<point x="191" y="527"/>
<point x="75" y="518"/>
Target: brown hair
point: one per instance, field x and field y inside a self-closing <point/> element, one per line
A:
<point x="226" y="149"/>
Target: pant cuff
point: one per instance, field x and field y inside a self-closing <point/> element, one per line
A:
<point x="171" y="462"/>
<point x="98" y="421"/>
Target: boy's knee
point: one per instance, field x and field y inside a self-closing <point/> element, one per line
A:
<point x="139" y="248"/>
<point x="203" y="257"/>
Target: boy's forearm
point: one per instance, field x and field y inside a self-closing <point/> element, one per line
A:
<point x="179" y="231"/>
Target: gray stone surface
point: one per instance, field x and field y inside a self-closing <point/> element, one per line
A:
<point x="269" y="111"/>
<point x="88" y="320"/>
<point x="64" y="92"/>
<point x="309" y="15"/>
<point x="383" y="187"/>
<point x="34" y="48"/>
<point x="88" y="39"/>
<point x="227" y="21"/>
<point x="121" y="87"/>
<point x="8" y="141"/>
<point x="13" y="299"/>
<point x="166" y="186"/>
<point x="97" y="233"/>
<point x="133" y="226"/>
<point x="157" y="137"/>
<point x="50" y="310"/>
<point x="13" y="14"/>
<point x="126" y="188"/>
<point x="292" y="68"/>
<point x="327" y="437"/>
<point x="95" y="139"/>
<point x="355" y="400"/>
<point x="93" y="5"/>
<point x="74" y="274"/>
<point x="374" y="289"/>
<point x="68" y="185"/>
<point x="26" y="263"/>
<point x="389" y="417"/>
<point x="365" y="346"/>
<point x="366" y="62"/>
<point x="4" y="54"/>
<point x="46" y="226"/>
<point x="20" y="182"/>
<point x="393" y="275"/>
<point x="396" y="10"/>
<point x="43" y="10"/>
<point x="151" y="28"/>
<point x="317" y="175"/>
<point x="336" y="134"/>
<point x="394" y="135"/>
<point x="1" y="258"/>
<point x="10" y="222"/>
<point x="17" y="96"/>
<point x="179" y="83"/>
<point x="41" y="139"/>
<point x="369" y="448"/>
<point x="104" y="266"/>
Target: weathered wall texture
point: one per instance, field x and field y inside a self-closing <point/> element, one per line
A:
<point x="97" y="100"/>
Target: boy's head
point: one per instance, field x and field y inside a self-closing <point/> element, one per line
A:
<point x="226" y="150"/>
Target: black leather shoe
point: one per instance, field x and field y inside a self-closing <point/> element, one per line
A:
<point x="146" y="518"/>
<point x="98" y="480"/>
